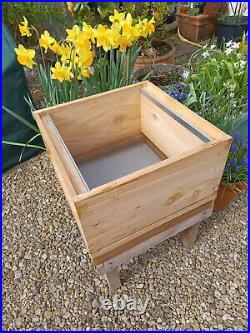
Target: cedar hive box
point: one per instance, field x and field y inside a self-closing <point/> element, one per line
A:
<point x="136" y="167"/>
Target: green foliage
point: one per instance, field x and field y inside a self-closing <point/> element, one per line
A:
<point x="55" y="92"/>
<point x="195" y="8"/>
<point x="112" y="70"/>
<point x="92" y="13"/>
<point x="236" y="167"/>
<point x="42" y="15"/>
<point x="28" y="143"/>
<point x="218" y="91"/>
<point x="218" y="85"/>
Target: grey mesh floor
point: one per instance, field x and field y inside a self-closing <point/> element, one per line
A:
<point x="104" y="169"/>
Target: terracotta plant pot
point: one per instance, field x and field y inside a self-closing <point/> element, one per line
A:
<point x="196" y="28"/>
<point x="215" y="8"/>
<point x="166" y="58"/>
<point x="226" y="194"/>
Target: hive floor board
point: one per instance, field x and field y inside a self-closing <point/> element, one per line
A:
<point x="101" y="170"/>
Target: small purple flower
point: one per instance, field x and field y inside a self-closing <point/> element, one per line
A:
<point x="234" y="162"/>
<point x="236" y="169"/>
<point x="244" y="161"/>
<point x="237" y="137"/>
<point x="179" y="86"/>
<point x="226" y="167"/>
<point x="234" y="148"/>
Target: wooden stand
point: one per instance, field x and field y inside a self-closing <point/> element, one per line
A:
<point x="140" y="207"/>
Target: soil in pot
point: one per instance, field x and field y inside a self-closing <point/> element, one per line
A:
<point x="161" y="74"/>
<point x="158" y="52"/>
<point x="227" y="193"/>
<point x="155" y="50"/>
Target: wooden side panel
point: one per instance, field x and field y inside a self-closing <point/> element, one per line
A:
<point x="166" y="133"/>
<point x="118" y="212"/>
<point x="150" y="238"/>
<point x="61" y="168"/>
<point x="100" y="121"/>
<point x="193" y="118"/>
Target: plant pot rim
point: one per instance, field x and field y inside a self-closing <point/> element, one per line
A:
<point x="142" y="60"/>
<point x="241" y="185"/>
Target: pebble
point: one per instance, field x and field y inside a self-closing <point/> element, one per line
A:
<point x="50" y="284"/>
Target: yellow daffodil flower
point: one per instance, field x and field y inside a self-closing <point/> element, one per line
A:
<point x="85" y="72"/>
<point x="65" y="53"/>
<point x="82" y="42"/>
<point x="124" y="43"/>
<point x="24" y="28"/>
<point x="117" y="17"/>
<point x="86" y="58"/>
<point x="56" y="48"/>
<point x="61" y="72"/>
<point x="103" y="37"/>
<point x="25" y="56"/>
<point x="46" y="40"/>
<point x="88" y="31"/>
<point x="72" y="33"/>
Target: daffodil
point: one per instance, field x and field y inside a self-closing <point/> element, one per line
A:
<point x="24" y="28"/>
<point x="115" y="36"/>
<point x="82" y="42"/>
<point x="86" y="58"/>
<point x="117" y="17"/>
<point x="124" y="43"/>
<point x="56" y="48"/>
<point x="46" y="40"/>
<point x="61" y="72"/>
<point x="103" y="37"/>
<point x="72" y="33"/>
<point x="88" y="31"/>
<point x="25" y="56"/>
<point x="85" y="72"/>
<point x="65" y="53"/>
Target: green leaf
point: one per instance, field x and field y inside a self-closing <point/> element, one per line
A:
<point x="22" y="144"/>
<point x="21" y="119"/>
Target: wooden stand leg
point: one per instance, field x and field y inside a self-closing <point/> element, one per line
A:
<point x="189" y="235"/>
<point x="113" y="278"/>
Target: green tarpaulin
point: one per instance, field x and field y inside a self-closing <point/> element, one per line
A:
<point x="14" y="88"/>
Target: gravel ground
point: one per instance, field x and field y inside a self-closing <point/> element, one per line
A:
<point x="50" y="283"/>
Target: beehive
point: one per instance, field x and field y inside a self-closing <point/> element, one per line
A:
<point x="136" y="167"/>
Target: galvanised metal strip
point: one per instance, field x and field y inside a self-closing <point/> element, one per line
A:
<point x="176" y="117"/>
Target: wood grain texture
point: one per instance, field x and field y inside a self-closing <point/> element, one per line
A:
<point x="183" y="111"/>
<point x="100" y="122"/>
<point x="161" y="129"/>
<point x="117" y="259"/>
<point x="115" y="214"/>
<point x="189" y="235"/>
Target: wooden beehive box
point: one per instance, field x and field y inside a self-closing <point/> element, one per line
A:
<point x="136" y="167"/>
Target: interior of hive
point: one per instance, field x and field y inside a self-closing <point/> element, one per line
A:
<point x="116" y="135"/>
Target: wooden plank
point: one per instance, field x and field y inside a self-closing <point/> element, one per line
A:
<point x="158" y="227"/>
<point x="99" y="122"/>
<point x="116" y="213"/>
<point x="143" y="246"/>
<point x="189" y="235"/>
<point x="192" y="117"/>
<point x="61" y="173"/>
<point x="77" y="181"/>
<point x="69" y="106"/>
<point x="161" y="129"/>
